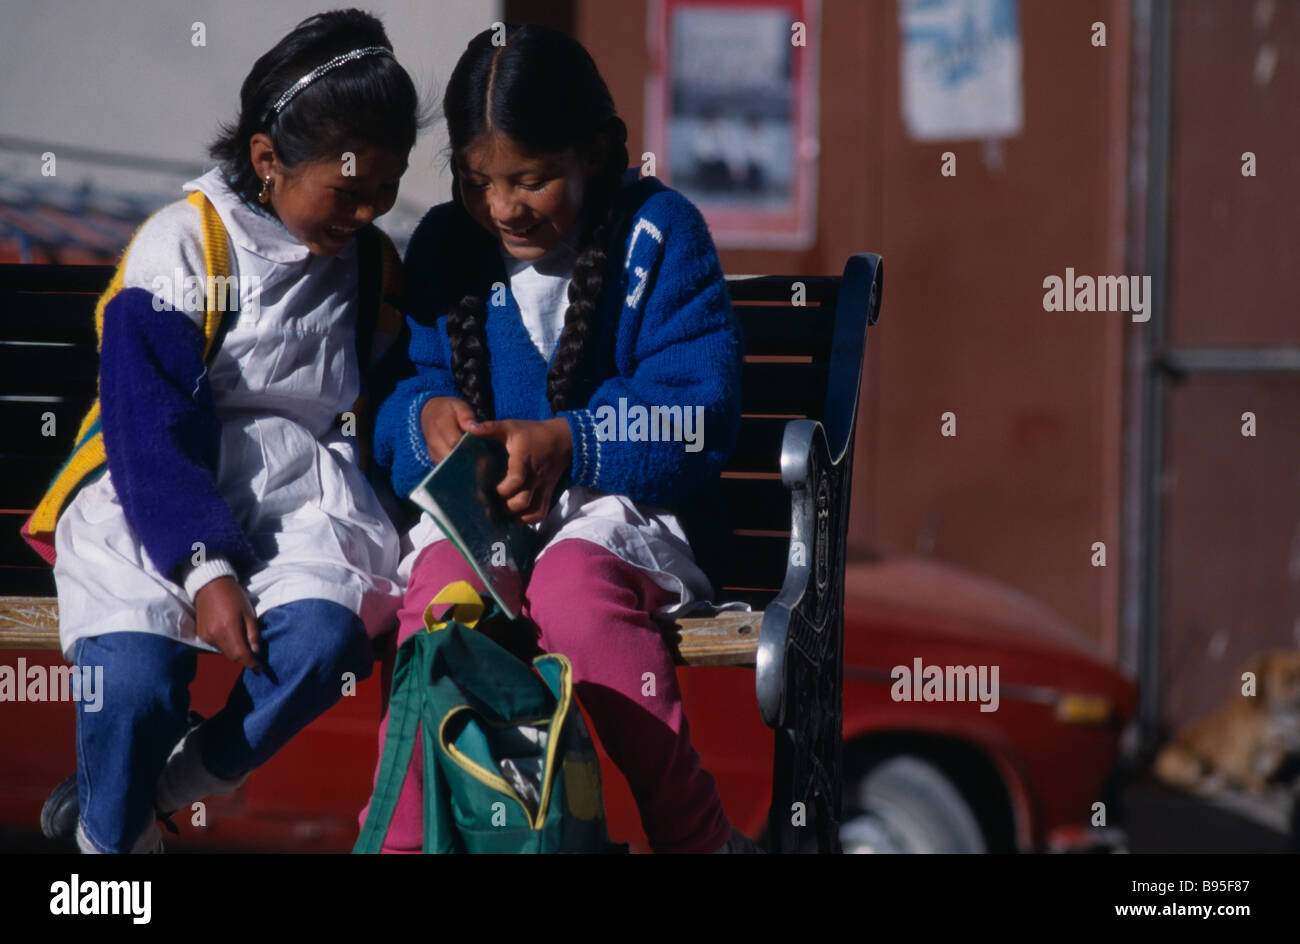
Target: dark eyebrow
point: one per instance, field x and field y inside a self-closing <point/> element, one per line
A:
<point x="543" y="170"/>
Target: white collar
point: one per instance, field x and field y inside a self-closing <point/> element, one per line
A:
<point x="261" y="235"/>
<point x="556" y="262"/>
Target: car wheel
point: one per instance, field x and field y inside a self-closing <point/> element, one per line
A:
<point x="906" y="804"/>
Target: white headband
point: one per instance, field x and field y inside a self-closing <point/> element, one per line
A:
<point x="320" y="70"/>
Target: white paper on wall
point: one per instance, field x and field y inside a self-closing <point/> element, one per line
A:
<point x="961" y="69"/>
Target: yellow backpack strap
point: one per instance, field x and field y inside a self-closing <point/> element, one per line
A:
<point x="466" y="606"/>
<point x="216" y="260"/>
<point x="88" y="455"/>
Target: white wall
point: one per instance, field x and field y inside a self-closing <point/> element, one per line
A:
<point x="124" y="76"/>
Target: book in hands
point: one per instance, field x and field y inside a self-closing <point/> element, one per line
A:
<point x="460" y="494"/>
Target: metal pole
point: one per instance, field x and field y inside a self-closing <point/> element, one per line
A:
<point x="1153" y="430"/>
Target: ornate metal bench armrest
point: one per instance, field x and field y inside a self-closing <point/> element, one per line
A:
<point x="799" y="673"/>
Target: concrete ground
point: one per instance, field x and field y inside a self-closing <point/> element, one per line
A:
<point x="1155" y="818"/>
<point x="1159" y="819"/>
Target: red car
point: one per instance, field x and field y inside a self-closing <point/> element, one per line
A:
<point x="919" y="775"/>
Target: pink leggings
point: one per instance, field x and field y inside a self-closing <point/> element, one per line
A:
<point x="593" y="607"/>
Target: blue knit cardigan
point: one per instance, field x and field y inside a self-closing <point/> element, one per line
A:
<point x="665" y="336"/>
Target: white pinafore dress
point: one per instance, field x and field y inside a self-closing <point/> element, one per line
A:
<point x="286" y="369"/>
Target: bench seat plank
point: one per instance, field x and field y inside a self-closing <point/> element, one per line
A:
<point x="729" y="638"/>
<point x="29" y="623"/>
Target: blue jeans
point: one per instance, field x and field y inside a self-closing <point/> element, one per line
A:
<point x="121" y="750"/>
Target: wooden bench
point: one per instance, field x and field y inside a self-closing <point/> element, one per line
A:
<point x="787" y="487"/>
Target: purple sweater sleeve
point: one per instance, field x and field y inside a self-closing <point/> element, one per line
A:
<point x="162" y="436"/>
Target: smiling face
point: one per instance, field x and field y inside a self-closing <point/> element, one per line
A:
<point x="527" y="201"/>
<point x="320" y="205"/>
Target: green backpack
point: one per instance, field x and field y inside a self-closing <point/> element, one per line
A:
<point x="508" y="764"/>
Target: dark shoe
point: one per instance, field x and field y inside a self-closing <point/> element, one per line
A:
<point x="60" y="812"/>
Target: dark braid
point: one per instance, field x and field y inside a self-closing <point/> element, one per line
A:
<point x="589" y="271"/>
<point x="467" y="318"/>
<point x="469" y="357"/>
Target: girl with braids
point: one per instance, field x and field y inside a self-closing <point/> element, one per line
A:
<point x="556" y="284"/>
<point x="233" y="514"/>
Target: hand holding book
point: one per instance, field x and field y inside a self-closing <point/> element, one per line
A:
<point x="539" y="451"/>
<point x="443" y="420"/>
<point x="460" y="495"/>
<point x="539" y="455"/>
<point x="497" y="478"/>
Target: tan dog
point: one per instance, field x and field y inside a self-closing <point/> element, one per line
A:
<point x="1247" y="739"/>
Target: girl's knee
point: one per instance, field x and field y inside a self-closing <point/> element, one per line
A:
<point x="328" y="635"/>
<point x="145" y="677"/>
<point x="576" y="576"/>
<point x="345" y="647"/>
<point x="436" y="566"/>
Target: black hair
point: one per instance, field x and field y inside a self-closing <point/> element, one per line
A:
<point x="541" y="90"/>
<point x="369" y="100"/>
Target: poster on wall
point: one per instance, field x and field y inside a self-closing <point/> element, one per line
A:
<point x="731" y="115"/>
<point x="961" y="69"/>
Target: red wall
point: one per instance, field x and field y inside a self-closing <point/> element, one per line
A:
<point x="1032" y="478"/>
<point x="1231" y="541"/>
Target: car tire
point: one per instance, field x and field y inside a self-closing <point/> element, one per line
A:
<point x="908" y="805"/>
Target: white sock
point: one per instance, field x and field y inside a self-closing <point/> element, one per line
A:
<point x="150" y="840"/>
<point x="185" y="779"/>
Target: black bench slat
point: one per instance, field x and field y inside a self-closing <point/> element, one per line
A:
<point x="23" y="422"/>
<point x="779" y="288"/>
<point x="757" y="562"/>
<point x="20" y="565"/>
<point x="782" y="329"/>
<point x="36" y="370"/>
<point x="27" y="477"/>
<point x="26" y="581"/>
<point x="784" y="389"/>
<point x="757" y="504"/>
<point x="58" y="278"/>
<point x="50" y="316"/>
<point x="758" y="447"/>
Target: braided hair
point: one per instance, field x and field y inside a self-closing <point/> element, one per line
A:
<point x="542" y="91"/>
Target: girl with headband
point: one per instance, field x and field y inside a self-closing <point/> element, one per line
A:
<point x="233" y="514"/>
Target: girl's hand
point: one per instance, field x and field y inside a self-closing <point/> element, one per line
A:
<point x="540" y="452"/>
<point x="226" y="620"/>
<point x="444" y="420"/>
